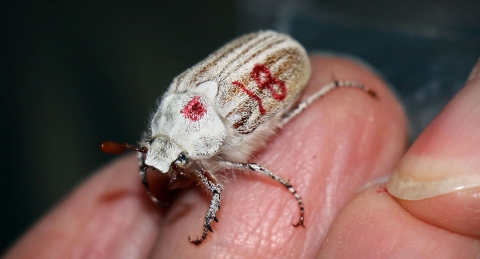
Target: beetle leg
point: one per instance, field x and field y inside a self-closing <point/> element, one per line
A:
<point x="299" y="108"/>
<point x="208" y="181"/>
<point x="286" y="184"/>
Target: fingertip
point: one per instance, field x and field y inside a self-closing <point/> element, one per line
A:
<point x="437" y="180"/>
<point x="457" y="211"/>
<point x="374" y="225"/>
<point x="108" y="206"/>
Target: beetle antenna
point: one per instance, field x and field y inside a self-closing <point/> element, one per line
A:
<point x="111" y="147"/>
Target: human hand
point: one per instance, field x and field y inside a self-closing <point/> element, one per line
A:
<point x="338" y="145"/>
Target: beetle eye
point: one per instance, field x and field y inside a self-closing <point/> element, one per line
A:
<point x="181" y="160"/>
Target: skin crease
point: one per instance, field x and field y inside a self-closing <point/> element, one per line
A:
<point x="338" y="145"/>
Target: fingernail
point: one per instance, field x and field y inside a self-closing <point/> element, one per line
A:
<point x="446" y="156"/>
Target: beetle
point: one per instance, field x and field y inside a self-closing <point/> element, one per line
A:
<point x="218" y="113"/>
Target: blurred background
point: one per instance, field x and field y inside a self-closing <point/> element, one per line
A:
<point x="76" y="73"/>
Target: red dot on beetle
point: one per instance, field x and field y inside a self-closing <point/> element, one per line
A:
<point x="194" y="110"/>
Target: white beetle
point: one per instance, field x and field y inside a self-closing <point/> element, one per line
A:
<point x="216" y="114"/>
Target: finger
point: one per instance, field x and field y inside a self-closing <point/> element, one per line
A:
<point x="109" y="216"/>
<point x="374" y="225"/>
<point x="438" y="179"/>
<point x="337" y="145"/>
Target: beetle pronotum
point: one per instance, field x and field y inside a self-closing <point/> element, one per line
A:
<point x="234" y="98"/>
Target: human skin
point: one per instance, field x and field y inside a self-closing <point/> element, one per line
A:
<point x="329" y="153"/>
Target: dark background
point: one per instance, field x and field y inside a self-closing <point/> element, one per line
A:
<point x="76" y="74"/>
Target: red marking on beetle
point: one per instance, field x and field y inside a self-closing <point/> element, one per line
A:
<point x="264" y="79"/>
<point x="194" y="109"/>
<point x="252" y="95"/>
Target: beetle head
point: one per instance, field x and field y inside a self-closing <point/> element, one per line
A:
<point x="163" y="153"/>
